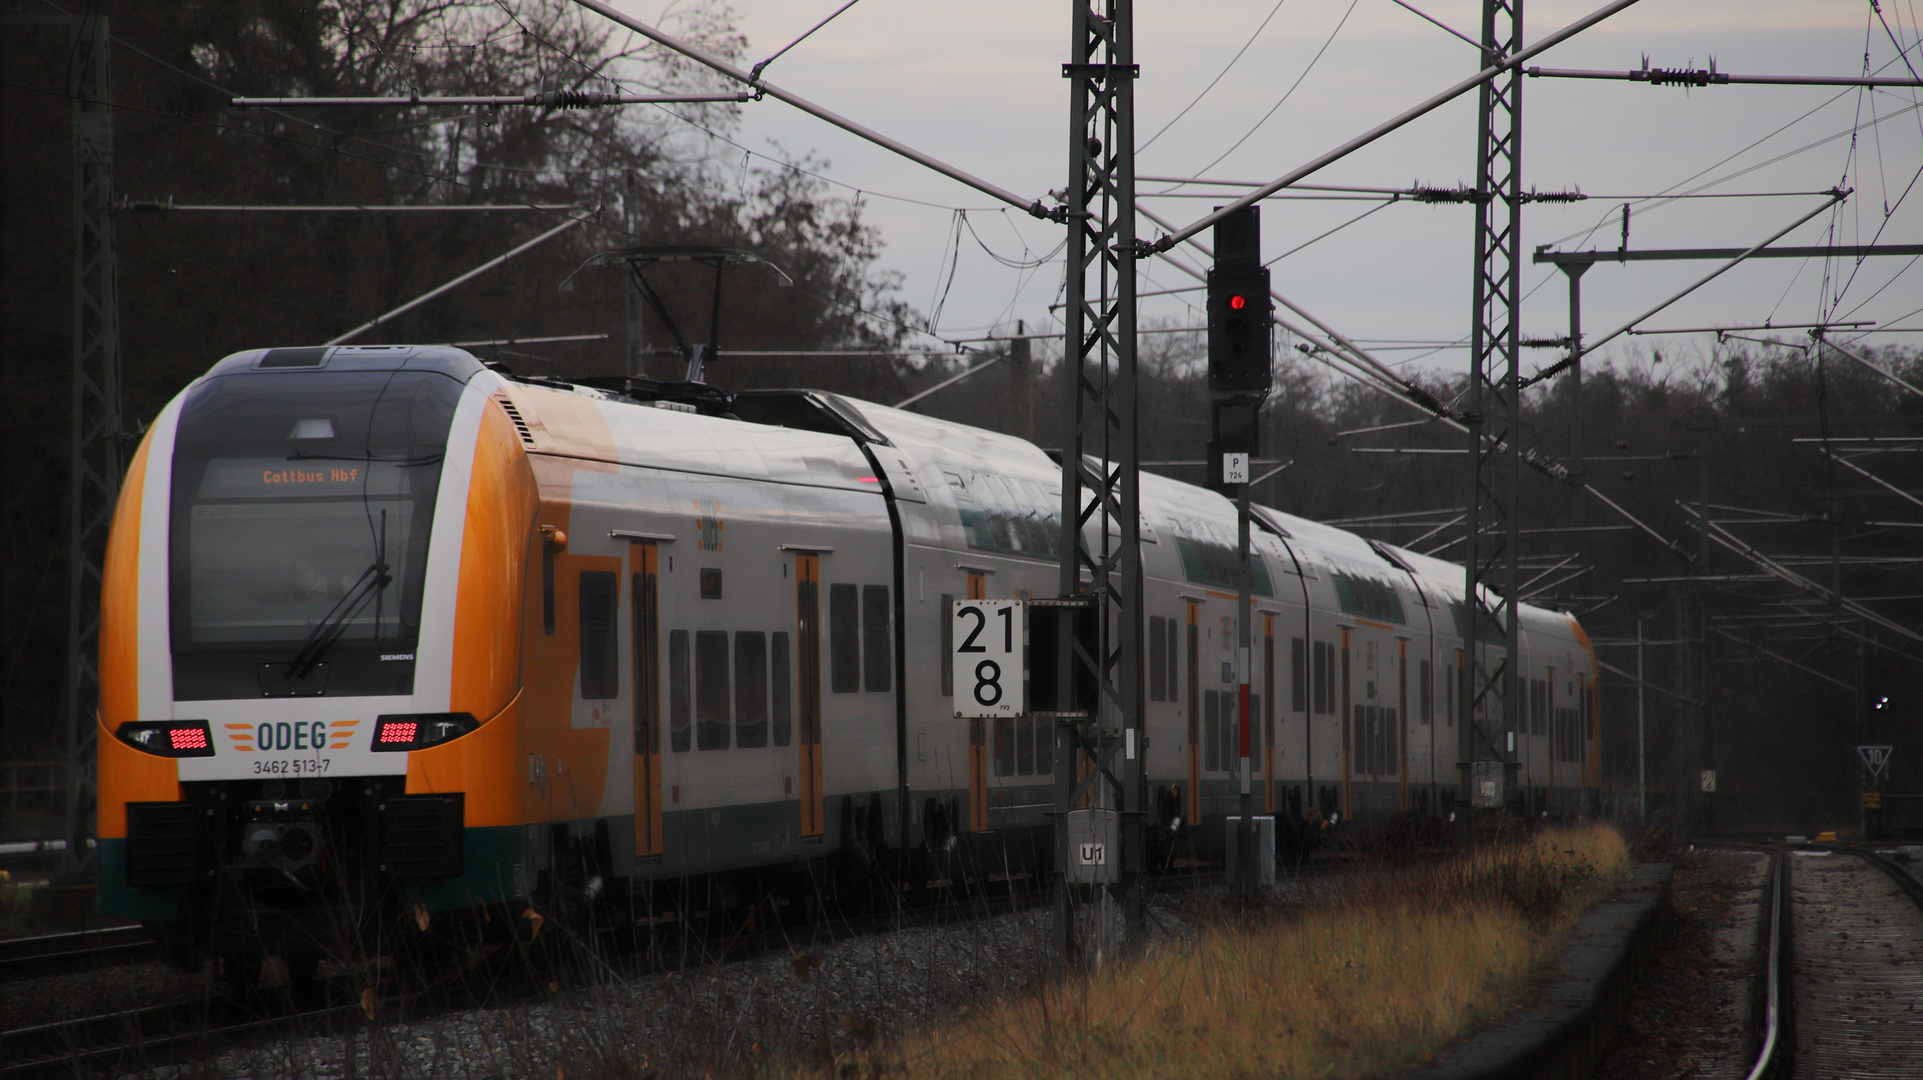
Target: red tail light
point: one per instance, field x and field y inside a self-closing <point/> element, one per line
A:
<point x="169" y="738"/>
<point x="412" y="731"/>
<point x="398" y="731"/>
<point x="192" y="738"/>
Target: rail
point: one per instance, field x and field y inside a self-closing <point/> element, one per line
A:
<point x="80" y="950"/>
<point x="1777" y="891"/>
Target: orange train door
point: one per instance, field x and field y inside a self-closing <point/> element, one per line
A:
<point x="1195" y="712"/>
<point x="808" y="671"/>
<point x="1268" y="713"/>
<point x="977" y="737"/>
<point x="644" y="593"/>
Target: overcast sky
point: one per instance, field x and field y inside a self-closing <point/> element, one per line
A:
<point x="978" y="85"/>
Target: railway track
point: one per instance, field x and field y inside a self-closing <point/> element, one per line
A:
<point x="1841" y="968"/>
<point x="1856" y="940"/>
<point x="80" y="950"/>
<point x="116" y="1042"/>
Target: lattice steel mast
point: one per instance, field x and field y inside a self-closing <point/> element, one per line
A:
<point x="1098" y="758"/>
<point x="1494" y="407"/>
<point x="95" y="451"/>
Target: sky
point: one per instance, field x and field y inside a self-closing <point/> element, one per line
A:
<point x="978" y="85"/>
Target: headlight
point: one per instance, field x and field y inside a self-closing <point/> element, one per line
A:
<point x="169" y="738"/>
<point x="412" y="731"/>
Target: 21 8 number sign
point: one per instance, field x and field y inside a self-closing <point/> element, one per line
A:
<point x="988" y="660"/>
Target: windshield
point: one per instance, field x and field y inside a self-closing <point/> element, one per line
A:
<point x="302" y="504"/>
<point x="273" y="546"/>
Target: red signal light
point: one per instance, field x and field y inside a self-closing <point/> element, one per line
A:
<point x="187" y="738"/>
<point x="1238" y="302"/>
<point x="398" y="731"/>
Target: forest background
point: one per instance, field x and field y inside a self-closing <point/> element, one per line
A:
<point x="1772" y="686"/>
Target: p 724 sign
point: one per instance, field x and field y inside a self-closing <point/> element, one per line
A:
<point x="988" y="658"/>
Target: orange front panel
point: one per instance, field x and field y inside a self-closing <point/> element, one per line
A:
<point x="128" y="775"/>
<point x="120" y="603"/>
<point x="487" y="765"/>
<point x="501" y="503"/>
<point x="125" y="774"/>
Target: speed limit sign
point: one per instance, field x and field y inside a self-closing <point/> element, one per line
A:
<point x="988" y="660"/>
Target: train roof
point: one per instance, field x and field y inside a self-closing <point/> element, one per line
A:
<point x="801" y="437"/>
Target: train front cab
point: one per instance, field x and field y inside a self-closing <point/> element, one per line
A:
<point x="310" y="663"/>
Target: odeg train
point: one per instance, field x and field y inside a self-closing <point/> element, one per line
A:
<point x="388" y="632"/>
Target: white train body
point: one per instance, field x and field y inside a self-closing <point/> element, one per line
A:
<point x="689" y="643"/>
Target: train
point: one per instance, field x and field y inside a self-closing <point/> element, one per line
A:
<point x="389" y="632"/>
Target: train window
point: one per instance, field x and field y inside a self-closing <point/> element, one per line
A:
<point x="1157" y="658"/>
<point x="1044" y="748"/>
<point x="600" y="662"/>
<point x="1323" y="678"/>
<point x="1225" y="730"/>
<point x="1232" y="727"/>
<point x="1025" y="745"/>
<point x="680" y="715"/>
<point x="1004" y="746"/>
<point x="711" y="689"/>
<point x="1367" y="597"/>
<point x="877" y="646"/>
<point x="780" y="701"/>
<point x="947" y="645"/>
<point x="1425" y="692"/>
<point x="1298" y="675"/>
<point x="710" y="583"/>
<point x="1006" y="515"/>
<point x="265" y="547"/>
<point x="1340" y="686"/>
<point x="844" y="639"/>
<point x="1174" y="662"/>
<point x="1211" y="730"/>
<point x="1210" y="561"/>
<point x="1255" y="714"/>
<point x="750" y="689"/>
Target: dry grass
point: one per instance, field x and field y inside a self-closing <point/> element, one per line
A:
<point x="1376" y="977"/>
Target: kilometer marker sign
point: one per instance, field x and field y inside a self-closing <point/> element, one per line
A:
<point x="989" y="658"/>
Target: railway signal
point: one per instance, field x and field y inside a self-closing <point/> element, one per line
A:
<point x="1241" y="365"/>
<point x="1239" y="310"/>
